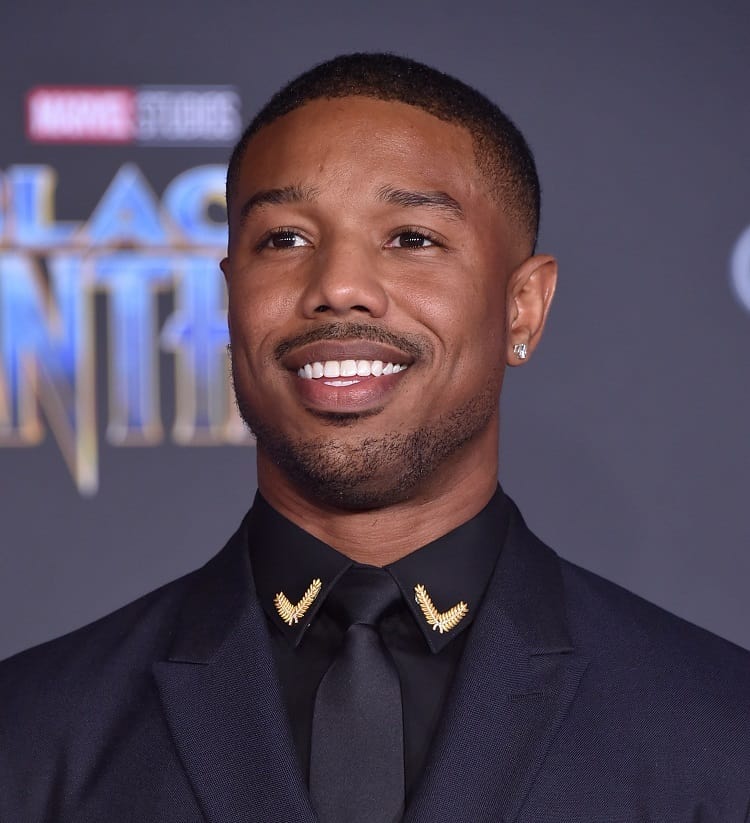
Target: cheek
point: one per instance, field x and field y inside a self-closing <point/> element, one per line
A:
<point x="467" y="316"/>
<point x="484" y="306"/>
<point x="256" y="314"/>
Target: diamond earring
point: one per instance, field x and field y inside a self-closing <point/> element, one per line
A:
<point x="520" y="350"/>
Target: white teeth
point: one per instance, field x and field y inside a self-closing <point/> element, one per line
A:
<point x="348" y="368"/>
<point x="332" y="369"/>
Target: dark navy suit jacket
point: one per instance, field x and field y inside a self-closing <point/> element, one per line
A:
<point x="575" y="701"/>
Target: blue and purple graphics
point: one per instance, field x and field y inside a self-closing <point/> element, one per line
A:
<point x="134" y="251"/>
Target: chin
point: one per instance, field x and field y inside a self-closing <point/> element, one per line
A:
<point x="356" y="498"/>
<point x="350" y="474"/>
<point x="371" y="471"/>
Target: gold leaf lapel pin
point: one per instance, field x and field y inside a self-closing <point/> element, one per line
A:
<point x="290" y="612"/>
<point x="440" y="621"/>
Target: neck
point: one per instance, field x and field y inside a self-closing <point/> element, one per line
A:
<point x="381" y="536"/>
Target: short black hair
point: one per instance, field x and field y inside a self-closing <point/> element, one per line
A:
<point x="501" y="152"/>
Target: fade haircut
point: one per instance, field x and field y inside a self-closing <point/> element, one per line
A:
<point x="501" y="152"/>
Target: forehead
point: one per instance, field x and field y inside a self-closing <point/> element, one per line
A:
<point x="360" y="144"/>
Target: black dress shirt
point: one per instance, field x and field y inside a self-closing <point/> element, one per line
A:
<point x="456" y="567"/>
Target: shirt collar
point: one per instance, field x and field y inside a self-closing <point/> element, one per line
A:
<point x="286" y="559"/>
<point x="456" y="567"/>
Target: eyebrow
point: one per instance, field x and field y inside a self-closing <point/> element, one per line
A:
<point x="274" y="197"/>
<point x="439" y="200"/>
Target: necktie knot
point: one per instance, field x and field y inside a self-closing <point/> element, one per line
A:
<point x="363" y="596"/>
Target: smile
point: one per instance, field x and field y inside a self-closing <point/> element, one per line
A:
<point x="347" y="376"/>
<point x="334" y="369"/>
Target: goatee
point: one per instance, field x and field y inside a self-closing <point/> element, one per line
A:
<point x="374" y="471"/>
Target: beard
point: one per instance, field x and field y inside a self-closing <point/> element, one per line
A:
<point x="374" y="471"/>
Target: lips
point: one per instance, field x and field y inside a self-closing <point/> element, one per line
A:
<point x="343" y="377"/>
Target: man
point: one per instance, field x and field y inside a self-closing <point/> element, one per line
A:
<point x="383" y="637"/>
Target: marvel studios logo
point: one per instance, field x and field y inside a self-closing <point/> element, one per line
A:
<point x="145" y="115"/>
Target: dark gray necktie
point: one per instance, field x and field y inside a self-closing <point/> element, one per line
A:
<point x="357" y="750"/>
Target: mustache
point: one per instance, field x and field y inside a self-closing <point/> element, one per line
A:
<point x="412" y="344"/>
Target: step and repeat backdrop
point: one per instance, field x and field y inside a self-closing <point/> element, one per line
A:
<point x="626" y="441"/>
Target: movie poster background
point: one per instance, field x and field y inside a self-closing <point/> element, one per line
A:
<point x="625" y="441"/>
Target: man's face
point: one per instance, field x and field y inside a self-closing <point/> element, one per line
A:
<point x="367" y="275"/>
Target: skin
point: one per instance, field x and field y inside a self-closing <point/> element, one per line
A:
<point x="464" y="296"/>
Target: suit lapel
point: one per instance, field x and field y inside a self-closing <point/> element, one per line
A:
<point x="221" y="698"/>
<point x="517" y="678"/>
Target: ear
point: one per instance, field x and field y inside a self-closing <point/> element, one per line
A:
<point x="530" y="291"/>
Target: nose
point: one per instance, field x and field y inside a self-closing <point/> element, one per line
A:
<point x="344" y="280"/>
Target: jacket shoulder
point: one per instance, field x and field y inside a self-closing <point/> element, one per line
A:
<point x="129" y="639"/>
<point x="101" y="652"/>
<point x="641" y="640"/>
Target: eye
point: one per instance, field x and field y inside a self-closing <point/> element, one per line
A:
<point x="412" y="239"/>
<point x="283" y="239"/>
